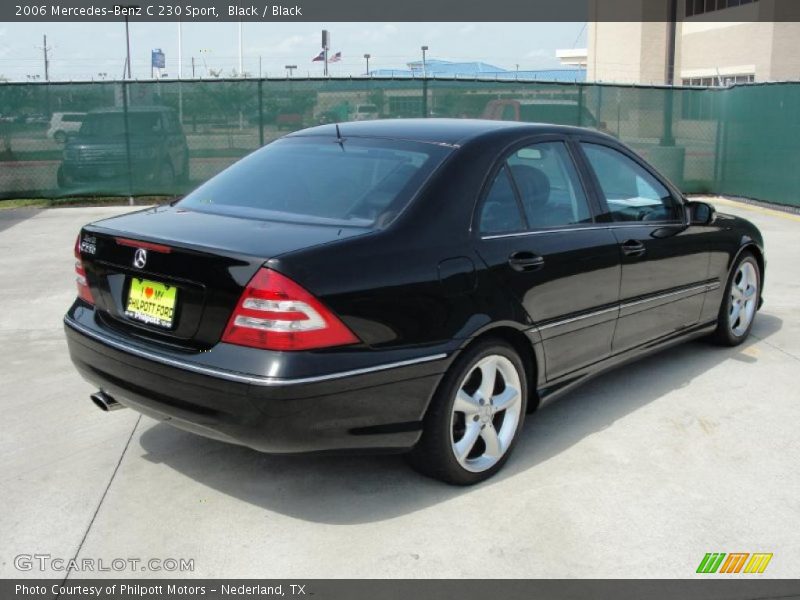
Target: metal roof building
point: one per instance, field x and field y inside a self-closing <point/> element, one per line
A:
<point x="479" y="70"/>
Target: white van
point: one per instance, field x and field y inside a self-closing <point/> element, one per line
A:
<point x="365" y="112"/>
<point x="63" y="123"/>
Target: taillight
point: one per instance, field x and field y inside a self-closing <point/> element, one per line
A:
<point x="274" y="313"/>
<point x="80" y="275"/>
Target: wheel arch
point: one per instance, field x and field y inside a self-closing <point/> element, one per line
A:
<point x="517" y="339"/>
<point x="749" y="245"/>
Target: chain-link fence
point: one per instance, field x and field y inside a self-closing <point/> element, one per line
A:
<point x="165" y="137"/>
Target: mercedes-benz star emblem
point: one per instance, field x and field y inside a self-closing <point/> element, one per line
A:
<point x="140" y="258"/>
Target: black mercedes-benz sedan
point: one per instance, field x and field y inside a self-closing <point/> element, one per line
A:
<point x="407" y="286"/>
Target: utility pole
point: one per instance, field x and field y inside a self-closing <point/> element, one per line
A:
<point x="367" y="57"/>
<point x="241" y="67"/>
<point x="326" y="43"/>
<point x="46" y="60"/>
<point x="290" y="70"/>
<point x="193" y="67"/>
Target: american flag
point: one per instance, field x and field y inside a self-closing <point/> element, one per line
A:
<point x="319" y="57"/>
<point x="336" y="57"/>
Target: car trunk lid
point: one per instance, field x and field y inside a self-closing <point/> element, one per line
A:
<point x="205" y="260"/>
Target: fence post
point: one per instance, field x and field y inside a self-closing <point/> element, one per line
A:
<point x="667" y="139"/>
<point x="127" y="141"/>
<point x="720" y="158"/>
<point x="424" y="96"/>
<point x="260" y="113"/>
<point x="580" y="105"/>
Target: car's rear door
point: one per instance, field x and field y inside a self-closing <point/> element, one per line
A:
<point x="664" y="262"/>
<point x="538" y="236"/>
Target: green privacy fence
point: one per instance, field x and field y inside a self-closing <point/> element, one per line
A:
<point x="166" y="137"/>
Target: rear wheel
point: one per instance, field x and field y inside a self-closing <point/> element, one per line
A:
<point x="740" y="303"/>
<point x="475" y="417"/>
<point x="165" y="177"/>
<point x="184" y="178"/>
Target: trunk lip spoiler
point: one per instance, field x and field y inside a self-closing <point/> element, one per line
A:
<point x="233" y="375"/>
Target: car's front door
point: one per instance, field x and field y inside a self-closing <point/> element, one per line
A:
<point x="539" y="238"/>
<point x="664" y="262"/>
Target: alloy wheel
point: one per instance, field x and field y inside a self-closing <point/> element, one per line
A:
<point x="485" y="413"/>
<point x="744" y="297"/>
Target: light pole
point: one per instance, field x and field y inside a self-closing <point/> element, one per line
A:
<point x="290" y="70"/>
<point x="367" y="57"/>
<point x="128" y="46"/>
<point x="424" y="83"/>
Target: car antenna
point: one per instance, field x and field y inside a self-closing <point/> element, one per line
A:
<point x="339" y="138"/>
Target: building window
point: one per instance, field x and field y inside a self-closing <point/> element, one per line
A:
<point x="699" y="7"/>
<point x="723" y="80"/>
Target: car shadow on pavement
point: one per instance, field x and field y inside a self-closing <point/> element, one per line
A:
<point x="362" y="489"/>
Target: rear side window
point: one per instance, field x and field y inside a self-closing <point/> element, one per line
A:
<point x="631" y="193"/>
<point x="549" y="186"/>
<point x="360" y="182"/>
<point x="500" y="212"/>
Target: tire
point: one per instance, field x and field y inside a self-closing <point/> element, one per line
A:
<point x="485" y="428"/>
<point x="61" y="179"/>
<point x="184" y="177"/>
<point x="166" y="177"/>
<point x="742" y="292"/>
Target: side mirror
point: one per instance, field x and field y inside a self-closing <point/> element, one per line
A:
<point x="700" y="213"/>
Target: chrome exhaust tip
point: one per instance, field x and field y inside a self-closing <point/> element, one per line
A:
<point x="105" y="402"/>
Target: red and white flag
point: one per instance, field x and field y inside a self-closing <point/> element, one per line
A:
<point x="319" y="57"/>
<point x="336" y="57"/>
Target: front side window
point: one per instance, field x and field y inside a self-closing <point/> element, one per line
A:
<point x="631" y="193"/>
<point x="549" y="186"/>
<point x="359" y="182"/>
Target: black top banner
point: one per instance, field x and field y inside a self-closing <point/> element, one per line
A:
<point x="403" y="11"/>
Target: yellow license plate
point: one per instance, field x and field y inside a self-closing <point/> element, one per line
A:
<point x="151" y="302"/>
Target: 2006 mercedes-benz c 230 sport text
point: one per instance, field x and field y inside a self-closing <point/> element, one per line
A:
<point x="411" y="286"/>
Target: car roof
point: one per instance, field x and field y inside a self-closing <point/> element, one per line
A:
<point x="452" y="132"/>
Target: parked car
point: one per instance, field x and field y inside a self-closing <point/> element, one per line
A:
<point x="289" y="121"/>
<point x="62" y="123"/>
<point x="554" y="112"/>
<point x="98" y="152"/>
<point x="365" y="112"/>
<point x="411" y="286"/>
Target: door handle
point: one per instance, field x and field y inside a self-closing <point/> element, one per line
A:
<point x="525" y="261"/>
<point x="633" y="248"/>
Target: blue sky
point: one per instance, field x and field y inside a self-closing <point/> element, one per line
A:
<point x="83" y="50"/>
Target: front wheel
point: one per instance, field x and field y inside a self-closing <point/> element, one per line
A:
<point x="475" y="416"/>
<point x="740" y="302"/>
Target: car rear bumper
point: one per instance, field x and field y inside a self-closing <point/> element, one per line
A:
<point x="370" y="408"/>
<point x="82" y="171"/>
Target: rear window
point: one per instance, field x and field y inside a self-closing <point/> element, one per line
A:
<point x="72" y="118"/>
<point x="360" y="182"/>
<point x="113" y="124"/>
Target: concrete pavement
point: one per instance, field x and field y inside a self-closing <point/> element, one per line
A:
<point x="637" y="474"/>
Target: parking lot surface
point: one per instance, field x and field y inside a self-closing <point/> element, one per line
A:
<point x="637" y="474"/>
